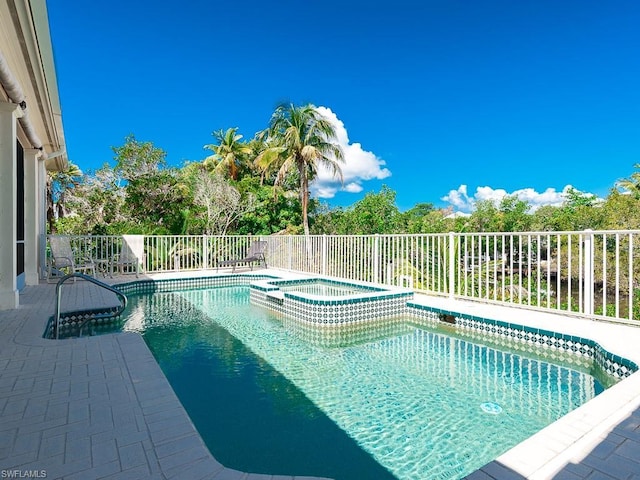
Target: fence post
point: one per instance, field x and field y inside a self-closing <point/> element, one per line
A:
<point x="588" y="272"/>
<point x="145" y="255"/>
<point x="324" y="254"/>
<point x="290" y="245"/>
<point x="205" y="252"/>
<point x="452" y="270"/>
<point x="376" y="258"/>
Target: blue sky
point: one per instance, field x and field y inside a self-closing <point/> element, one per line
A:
<point x="444" y="101"/>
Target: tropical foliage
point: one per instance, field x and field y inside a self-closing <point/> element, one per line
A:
<point x="230" y="155"/>
<point x="60" y="186"/>
<point x="262" y="186"/>
<point x="300" y="140"/>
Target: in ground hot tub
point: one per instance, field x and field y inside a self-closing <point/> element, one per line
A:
<point x="321" y="301"/>
<point x="323" y="287"/>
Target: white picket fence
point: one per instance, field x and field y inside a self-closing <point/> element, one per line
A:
<point x="587" y="273"/>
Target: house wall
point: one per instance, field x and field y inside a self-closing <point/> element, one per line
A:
<point x="31" y="142"/>
<point x="8" y="208"/>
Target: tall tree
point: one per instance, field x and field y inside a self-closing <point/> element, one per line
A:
<point x="619" y="211"/>
<point x="415" y="217"/>
<point x="222" y="203"/>
<point x="276" y="210"/>
<point x="632" y="184"/>
<point x="154" y="200"/>
<point x="514" y="214"/>
<point x="58" y="186"/>
<point x="228" y="153"/>
<point x="301" y="140"/>
<point x="574" y="199"/>
<point x="93" y="204"/>
<point x="485" y="217"/>
<point x="135" y="158"/>
<point x="375" y="213"/>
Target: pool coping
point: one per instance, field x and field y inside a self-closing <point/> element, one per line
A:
<point x="561" y="447"/>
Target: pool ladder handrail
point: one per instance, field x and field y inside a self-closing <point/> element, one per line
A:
<point x="121" y="296"/>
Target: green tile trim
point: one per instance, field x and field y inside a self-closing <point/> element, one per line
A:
<point x="555" y="337"/>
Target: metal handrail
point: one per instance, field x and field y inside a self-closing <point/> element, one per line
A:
<point x="119" y="294"/>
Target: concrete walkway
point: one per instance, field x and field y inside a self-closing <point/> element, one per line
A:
<point x="100" y="407"/>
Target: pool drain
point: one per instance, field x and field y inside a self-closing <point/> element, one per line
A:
<point x="491" y="408"/>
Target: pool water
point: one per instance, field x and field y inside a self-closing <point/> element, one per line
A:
<point x="323" y="288"/>
<point x="420" y="404"/>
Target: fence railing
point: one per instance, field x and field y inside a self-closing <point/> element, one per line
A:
<point x="588" y="273"/>
<point x="161" y="253"/>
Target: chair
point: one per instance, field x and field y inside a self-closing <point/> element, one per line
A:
<point x="129" y="259"/>
<point x="63" y="258"/>
<point x="254" y="254"/>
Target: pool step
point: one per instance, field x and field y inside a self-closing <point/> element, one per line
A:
<point x="275" y="296"/>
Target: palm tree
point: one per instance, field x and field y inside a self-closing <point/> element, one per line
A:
<point x="58" y="184"/>
<point x="228" y="153"/>
<point x="300" y="139"/>
<point x="632" y="184"/>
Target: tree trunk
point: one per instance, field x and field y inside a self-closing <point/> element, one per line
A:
<point x="304" y="200"/>
<point x="50" y="212"/>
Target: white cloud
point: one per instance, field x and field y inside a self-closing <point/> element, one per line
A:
<point x="461" y="200"/>
<point x="359" y="165"/>
<point x="458" y="215"/>
<point x="352" y="187"/>
<point x="488" y="193"/>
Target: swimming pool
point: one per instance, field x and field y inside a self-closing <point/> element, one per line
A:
<point x="321" y="301"/>
<point x="412" y="402"/>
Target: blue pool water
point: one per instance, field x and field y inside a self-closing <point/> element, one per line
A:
<point x="325" y="288"/>
<point x="418" y="404"/>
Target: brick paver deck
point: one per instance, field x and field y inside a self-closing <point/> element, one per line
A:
<point x="100" y="407"/>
